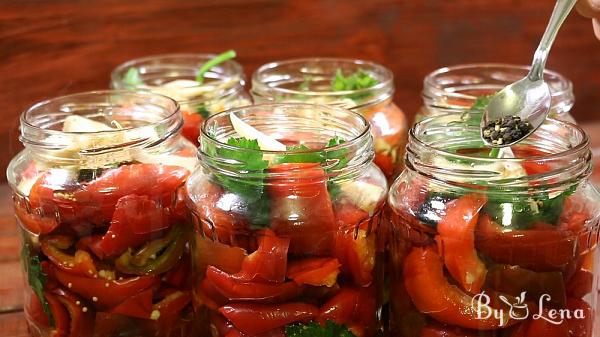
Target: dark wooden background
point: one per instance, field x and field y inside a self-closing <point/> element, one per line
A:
<point x="54" y="47"/>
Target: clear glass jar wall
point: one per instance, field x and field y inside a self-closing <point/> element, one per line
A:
<point x="288" y="242"/>
<point x="99" y="200"/>
<point x="486" y="246"/>
<point x="456" y="89"/>
<point x="174" y="76"/>
<point x="312" y="80"/>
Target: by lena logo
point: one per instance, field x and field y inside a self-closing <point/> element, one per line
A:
<point x="517" y="309"/>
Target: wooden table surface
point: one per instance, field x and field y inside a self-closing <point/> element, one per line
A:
<point x="12" y="321"/>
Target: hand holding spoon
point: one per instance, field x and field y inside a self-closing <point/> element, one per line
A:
<point x="520" y="108"/>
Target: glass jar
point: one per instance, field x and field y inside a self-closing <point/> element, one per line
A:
<point x="99" y="199"/>
<point x="456" y="89"/>
<point x="312" y="80"/>
<point x="288" y="240"/>
<point x="174" y="75"/>
<point x="488" y="246"/>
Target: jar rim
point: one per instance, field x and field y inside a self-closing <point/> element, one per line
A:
<point x="32" y="133"/>
<point x="365" y="130"/>
<point x="261" y="87"/>
<point x="575" y="159"/>
<point x="430" y="83"/>
<point x="172" y="58"/>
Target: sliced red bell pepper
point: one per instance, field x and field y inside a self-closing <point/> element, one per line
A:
<point x="171" y="306"/>
<point x="542" y="248"/>
<point x="191" y="126"/>
<point x="60" y="315"/>
<point x="208" y="295"/>
<point x="103" y="292"/>
<point x="279" y="332"/>
<point x="580" y="326"/>
<point x="314" y="271"/>
<point x="81" y="315"/>
<point x="33" y="222"/>
<point x="542" y="328"/>
<point x="213" y="253"/>
<point x="456" y="241"/>
<point x="356" y="255"/>
<point x="268" y="262"/>
<point x="138" y="305"/>
<point x="580" y="284"/>
<point x="513" y="280"/>
<point x="235" y="289"/>
<point x="432" y="294"/>
<point x="180" y="275"/>
<point x="439" y="330"/>
<point x="385" y="163"/>
<point x="34" y="311"/>
<point x="301" y="207"/>
<point x="80" y="264"/>
<point x="121" y="235"/>
<point x="353" y="307"/>
<point x="101" y="195"/>
<point x="219" y="324"/>
<point x="254" y="319"/>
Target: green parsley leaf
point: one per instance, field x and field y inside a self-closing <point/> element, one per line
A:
<point x="359" y="80"/>
<point x="340" y="155"/>
<point x="308" y="157"/>
<point x="481" y="102"/>
<point x="228" y="55"/>
<point x="201" y="109"/>
<point x="132" y="77"/>
<point x="313" y="329"/>
<point x="36" y="278"/>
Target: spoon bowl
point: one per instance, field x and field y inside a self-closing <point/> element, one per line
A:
<point x="527" y="99"/>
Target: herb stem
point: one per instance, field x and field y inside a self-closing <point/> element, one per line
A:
<point x="494" y="153"/>
<point x="228" y="55"/>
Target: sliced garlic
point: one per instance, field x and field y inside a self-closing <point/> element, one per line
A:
<point x="265" y="142"/>
<point x="362" y="194"/>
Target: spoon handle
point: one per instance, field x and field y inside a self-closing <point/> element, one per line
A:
<point x="559" y="14"/>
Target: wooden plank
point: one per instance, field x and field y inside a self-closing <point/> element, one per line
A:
<point x="13" y="325"/>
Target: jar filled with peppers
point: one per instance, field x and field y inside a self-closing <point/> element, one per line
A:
<point x="362" y="86"/>
<point x="202" y="84"/>
<point x="494" y="243"/>
<point x="461" y="88"/>
<point x="286" y="213"/>
<point x="99" y="199"/>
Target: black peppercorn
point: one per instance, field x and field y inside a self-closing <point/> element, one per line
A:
<point x="506" y="130"/>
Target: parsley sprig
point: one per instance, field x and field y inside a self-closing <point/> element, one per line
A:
<point x="228" y="55"/>
<point x="36" y="278"/>
<point x="313" y="329"/>
<point x="132" y="77"/>
<point x="356" y="81"/>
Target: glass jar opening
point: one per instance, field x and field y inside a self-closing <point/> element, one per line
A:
<point x="221" y="81"/>
<point x="458" y="87"/>
<point x="310" y="80"/>
<point x="96" y="122"/>
<point x="307" y="131"/>
<point x="448" y="149"/>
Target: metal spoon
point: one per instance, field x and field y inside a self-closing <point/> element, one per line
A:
<point x="528" y="98"/>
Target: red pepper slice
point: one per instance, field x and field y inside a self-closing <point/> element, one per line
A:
<point x="385" y="163"/>
<point x="353" y="307"/>
<point x="233" y="332"/>
<point x="254" y="319"/>
<point x="542" y="248"/>
<point x="357" y="255"/>
<point x="35" y="223"/>
<point x="314" y="271"/>
<point x="301" y="207"/>
<point x="268" y="262"/>
<point x="129" y="214"/>
<point x="80" y="264"/>
<point x="106" y="293"/>
<point x="171" y="306"/>
<point x="62" y="321"/>
<point x="432" y="294"/>
<point x="580" y="326"/>
<point x="102" y="194"/>
<point x="438" y="330"/>
<point x="191" y="126"/>
<point x="209" y="296"/>
<point x="580" y="284"/>
<point x="81" y="315"/>
<point x="225" y="257"/>
<point x="138" y="305"/>
<point x="35" y="312"/>
<point x="539" y="327"/>
<point x="456" y="241"/>
<point x="235" y="289"/>
<point x="180" y="275"/>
